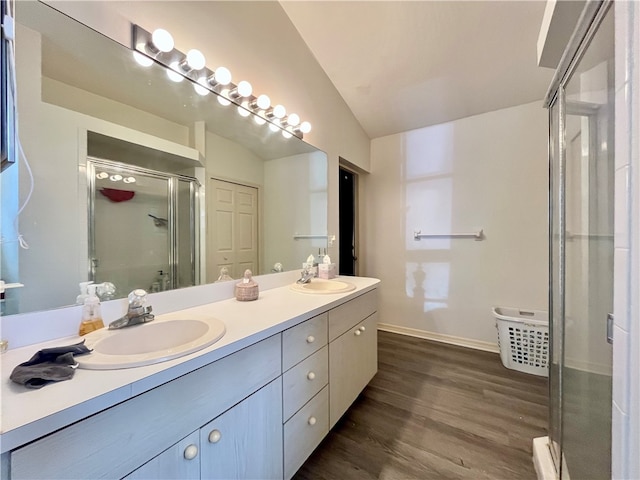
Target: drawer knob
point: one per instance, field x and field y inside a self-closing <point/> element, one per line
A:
<point x="311" y="339"/>
<point x="362" y="329"/>
<point x="214" y="436"/>
<point x="357" y="332"/>
<point x="311" y="375"/>
<point x="191" y="452"/>
<point x="312" y="421"/>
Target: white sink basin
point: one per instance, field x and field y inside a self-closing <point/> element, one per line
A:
<point x="320" y="286"/>
<point x="148" y="343"/>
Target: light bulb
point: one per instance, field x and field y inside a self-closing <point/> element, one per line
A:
<point x="243" y="111"/>
<point x="222" y="76"/>
<point x="305" y="127"/>
<point x="200" y="88"/>
<point x="195" y="59"/>
<point x="286" y="134"/>
<point x="172" y="73"/>
<point x="293" y="119"/>
<point x="259" y="120"/>
<point x="263" y="102"/>
<point x="142" y="60"/>
<point x="273" y="127"/>
<point x="222" y="100"/>
<point x="244" y="88"/>
<point x="279" y="111"/>
<point x="101" y="175"/>
<point x="162" y="40"/>
<point x="115" y="178"/>
<point x="129" y="180"/>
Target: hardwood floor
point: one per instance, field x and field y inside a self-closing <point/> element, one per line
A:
<point x="436" y="411"/>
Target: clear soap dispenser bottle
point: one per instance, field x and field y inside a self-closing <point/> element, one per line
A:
<point x="91" y="312"/>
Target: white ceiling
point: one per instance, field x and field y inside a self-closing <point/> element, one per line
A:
<point x="403" y="65"/>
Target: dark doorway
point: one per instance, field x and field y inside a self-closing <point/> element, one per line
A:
<point x="347" y="207"/>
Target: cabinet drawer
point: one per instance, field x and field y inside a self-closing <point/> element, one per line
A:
<point x="146" y="425"/>
<point x="348" y="314"/>
<point x="304" y="432"/>
<point x="302" y="340"/>
<point x="304" y="380"/>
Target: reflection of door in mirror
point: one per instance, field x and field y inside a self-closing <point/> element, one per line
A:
<point x="141" y="229"/>
<point x="232" y="228"/>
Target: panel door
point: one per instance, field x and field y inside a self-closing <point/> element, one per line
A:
<point x="232" y="228"/>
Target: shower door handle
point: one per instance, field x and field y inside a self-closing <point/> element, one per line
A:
<point x="610" y="328"/>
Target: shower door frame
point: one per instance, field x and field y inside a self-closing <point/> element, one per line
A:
<point x="172" y="198"/>
<point x="588" y="24"/>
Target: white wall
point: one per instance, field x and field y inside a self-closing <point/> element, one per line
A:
<point x="488" y="171"/>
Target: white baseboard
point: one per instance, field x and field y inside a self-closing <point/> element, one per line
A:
<point x="542" y="460"/>
<point x="439" y="337"/>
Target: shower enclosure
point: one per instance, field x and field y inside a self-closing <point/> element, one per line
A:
<point x="142" y="227"/>
<point x="581" y="200"/>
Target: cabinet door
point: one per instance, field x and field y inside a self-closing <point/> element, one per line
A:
<point x="353" y="361"/>
<point x="180" y="462"/>
<point x="246" y="440"/>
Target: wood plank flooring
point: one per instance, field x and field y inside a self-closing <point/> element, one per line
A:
<point x="436" y="411"/>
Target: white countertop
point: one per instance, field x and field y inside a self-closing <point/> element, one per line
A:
<point x="29" y="414"/>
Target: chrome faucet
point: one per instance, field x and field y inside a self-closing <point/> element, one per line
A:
<point x="305" y="276"/>
<point x="138" y="312"/>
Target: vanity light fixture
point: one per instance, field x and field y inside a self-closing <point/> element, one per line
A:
<point x="279" y="112"/>
<point x="243" y="109"/>
<point x="161" y="41"/>
<point x="172" y="73"/>
<point x="304" y="127"/>
<point x="222" y="76"/>
<point x="142" y="60"/>
<point x="201" y="86"/>
<point x="116" y="177"/>
<point x="292" y="120"/>
<point x="102" y="175"/>
<point x="263" y="102"/>
<point x="222" y="98"/>
<point x="129" y="180"/>
<point x="243" y="90"/>
<point x="159" y="46"/>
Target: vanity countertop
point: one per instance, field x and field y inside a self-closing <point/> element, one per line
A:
<point x="29" y="414"/>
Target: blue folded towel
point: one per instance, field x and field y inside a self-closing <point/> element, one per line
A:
<point x="49" y="365"/>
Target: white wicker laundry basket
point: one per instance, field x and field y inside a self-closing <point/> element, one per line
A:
<point x="523" y="339"/>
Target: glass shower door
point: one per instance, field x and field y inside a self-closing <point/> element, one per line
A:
<point x="586" y="246"/>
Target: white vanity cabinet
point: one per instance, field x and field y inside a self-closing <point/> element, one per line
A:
<point x="353" y="351"/>
<point x="117" y="441"/>
<point x="256" y="413"/>
<point x="243" y="442"/>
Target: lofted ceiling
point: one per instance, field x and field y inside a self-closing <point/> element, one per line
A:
<point x="402" y="65"/>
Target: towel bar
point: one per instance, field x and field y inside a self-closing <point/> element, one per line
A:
<point x="479" y="235"/>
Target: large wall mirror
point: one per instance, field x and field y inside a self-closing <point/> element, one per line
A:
<point x="138" y="180"/>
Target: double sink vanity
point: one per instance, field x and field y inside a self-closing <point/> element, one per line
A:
<point x="259" y="386"/>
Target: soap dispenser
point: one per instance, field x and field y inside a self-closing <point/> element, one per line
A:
<point x="91" y="312"/>
<point x="83" y="293"/>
